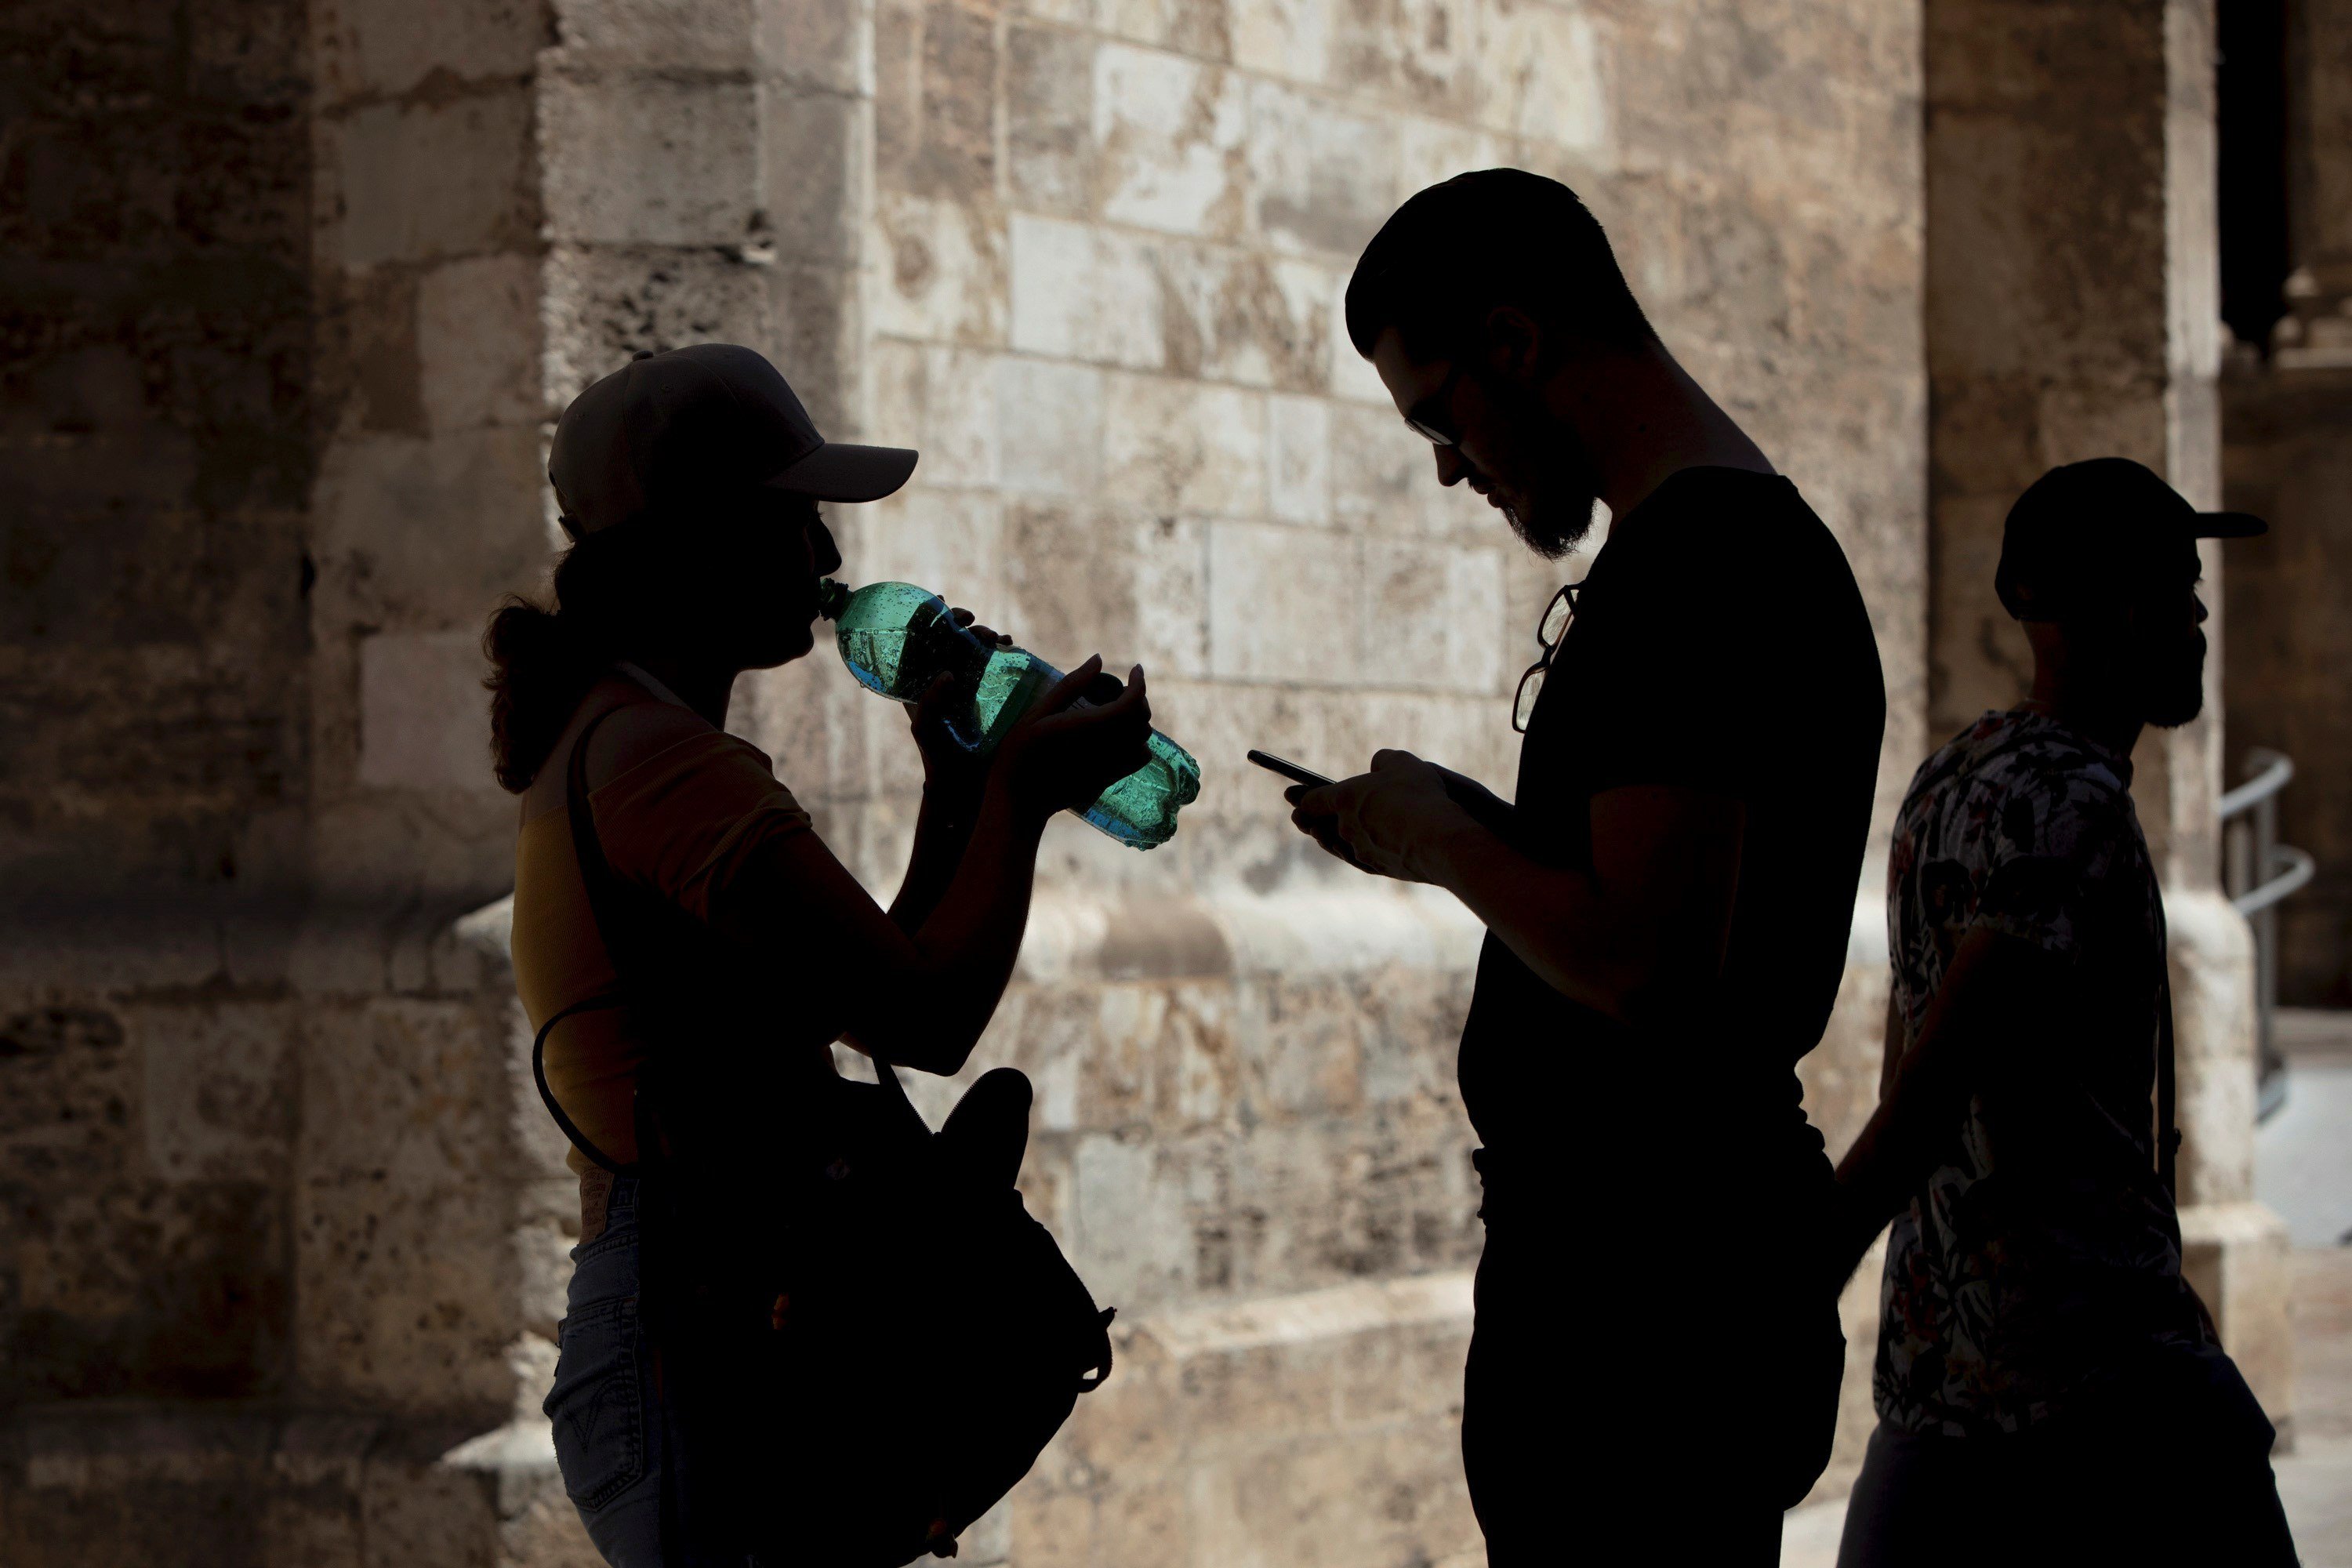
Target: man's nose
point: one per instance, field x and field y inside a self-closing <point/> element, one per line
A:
<point x="2201" y="612"/>
<point x="1451" y="468"/>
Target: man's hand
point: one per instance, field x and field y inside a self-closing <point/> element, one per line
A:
<point x="1390" y="822"/>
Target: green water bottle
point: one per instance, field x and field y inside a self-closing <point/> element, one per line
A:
<point x="897" y="639"/>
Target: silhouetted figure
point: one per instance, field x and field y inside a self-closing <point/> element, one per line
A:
<point x="768" y="1354"/>
<point x="1657" y="1346"/>
<point x="2048" y="1388"/>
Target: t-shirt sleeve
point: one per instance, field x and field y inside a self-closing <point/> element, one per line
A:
<point x="2057" y="854"/>
<point x="683" y="823"/>
<point x="1688" y="700"/>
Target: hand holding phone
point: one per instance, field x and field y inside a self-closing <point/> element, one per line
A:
<point x="1288" y="770"/>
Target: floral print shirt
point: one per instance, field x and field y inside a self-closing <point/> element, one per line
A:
<point x="2042" y="1258"/>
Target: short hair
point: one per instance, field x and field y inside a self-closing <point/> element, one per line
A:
<point x="1456" y="251"/>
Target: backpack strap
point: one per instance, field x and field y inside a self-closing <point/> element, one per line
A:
<point x="2168" y="1134"/>
<point x="596" y="875"/>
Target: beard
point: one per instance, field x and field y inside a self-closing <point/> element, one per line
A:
<point x="1553" y="516"/>
<point x="2173" y="686"/>
<point x="1557" y="524"/>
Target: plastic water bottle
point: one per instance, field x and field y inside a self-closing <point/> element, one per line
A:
<point x="897" y="639"/>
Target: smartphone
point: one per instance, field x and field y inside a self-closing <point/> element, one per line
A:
<point x="1291" y="771"/>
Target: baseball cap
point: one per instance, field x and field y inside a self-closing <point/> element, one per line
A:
<point x="2081" y="528"/>
<point x="676" y="428"/>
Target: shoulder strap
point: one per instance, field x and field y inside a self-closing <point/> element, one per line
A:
<point x="596" y="875"/>
<point x="2168" y="1134"/>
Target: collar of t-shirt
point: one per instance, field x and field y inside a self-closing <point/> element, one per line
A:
<point x="646" y="679"/>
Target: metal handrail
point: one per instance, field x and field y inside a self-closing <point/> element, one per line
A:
<point x="2260" y="871"/>
<point x="2294" y="867"/>
<point x="2277" y="771"/>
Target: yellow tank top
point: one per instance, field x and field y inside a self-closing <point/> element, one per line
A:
<point x="682" y="823"/>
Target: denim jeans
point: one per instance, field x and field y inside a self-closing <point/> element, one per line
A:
<point x="625" y="1453"/>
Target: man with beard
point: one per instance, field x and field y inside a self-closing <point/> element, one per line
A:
<point x="2048" y="1388"/>
<point x="1657" y="1346"/>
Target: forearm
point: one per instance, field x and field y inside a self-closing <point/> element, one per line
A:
<point x="943" y="828"/>
<point x="1559" y="921"/>
<point x="1982" y="1026"/>
<point x="964" y="952"/>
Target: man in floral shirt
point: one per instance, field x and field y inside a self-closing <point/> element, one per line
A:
<point x="2048" y="1387"/>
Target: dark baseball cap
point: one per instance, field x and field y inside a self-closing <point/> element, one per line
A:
<point x="673" y="429"/>
<point x="2083" y="530"/>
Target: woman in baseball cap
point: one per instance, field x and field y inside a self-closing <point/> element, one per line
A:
<point x="684" y="942"/>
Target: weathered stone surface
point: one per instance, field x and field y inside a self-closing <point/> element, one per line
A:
<point x="1089" y="258"/>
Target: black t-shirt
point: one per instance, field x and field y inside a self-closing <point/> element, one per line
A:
<point x="1719" y="643"/>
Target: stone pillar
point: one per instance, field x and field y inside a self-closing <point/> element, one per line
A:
<point x="276" y="451"/>
<point x="2287" y="413"/>
<point x="2072" y="312"/>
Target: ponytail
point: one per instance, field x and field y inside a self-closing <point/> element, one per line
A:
<point x="542" y="661"/>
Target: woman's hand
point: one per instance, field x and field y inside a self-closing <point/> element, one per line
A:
<point x="952" y="776"/>
<point x="1061" y="754"/>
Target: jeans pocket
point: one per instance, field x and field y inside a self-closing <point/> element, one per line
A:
<point x="598" y="1402"/>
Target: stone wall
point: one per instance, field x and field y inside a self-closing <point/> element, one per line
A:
<point x="270" y="296"/>
<point x="2287" y="420"/>
<point x="297" y="288"/>
<point x="2072" y="312"/>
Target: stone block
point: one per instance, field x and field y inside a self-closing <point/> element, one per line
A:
<point x="2211" y="962"/>
<point x="1285" y="604"/>
<point x="1322" y="178"/>
<point x="428" y="532"/>
<point x="949" y="542"/>
<point x="943" y="401"/>
<point x="1298" y="460"/>
<point x="935" y="100"/>
<point x="1049" y="107"/>
<point x="937" y="269"/>
<point x="1080" y="292"/>
<point x="1130" y="1234"/>
<point x="815" y="161"/>
<point x="1169" y="135"/>
<point x="218" y="1096"/>
<point x="2238" y="1258"/>
<point x="648" y="160"/>
<point x="1202" y="28"/>
<point x="1070" y="582"/>
<point x="604" y="305"/>
<point x="705" y="36"/>
<point x="1430" y="152"/>
<point x="1049" y="435"/>
<point x="424" y="723"/>
<point x="1286" y="38"/>
<point x="1431" y="615"/>
<point x="383" y="49"/>
<point x="405" y="1273"/>
<point x="1244" y="316"/>
<point x="431" y="180"/>
<point x="477" y="342"/>
<point x="815" y="44"/>
<point x="1183" y="446"/>
<point x="140" y="1287"/>
<point x="69" y="1087"/>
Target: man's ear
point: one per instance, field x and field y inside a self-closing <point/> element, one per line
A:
<point x="1515" y="343"/>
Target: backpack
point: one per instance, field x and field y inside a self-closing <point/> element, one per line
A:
<point x="877" y="1345"/>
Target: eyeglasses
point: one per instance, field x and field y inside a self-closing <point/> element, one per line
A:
<point x="1548" y="633"/>
<point x="1429" y="417"/>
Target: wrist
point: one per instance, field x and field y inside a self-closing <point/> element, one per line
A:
<point x="1452" y="838"/>
<point x="1005" y="805"/>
